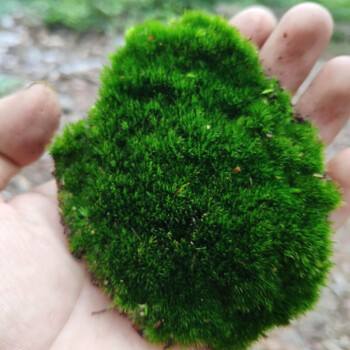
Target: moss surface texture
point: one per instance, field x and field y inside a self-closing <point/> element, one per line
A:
<point x="193" y="191"/>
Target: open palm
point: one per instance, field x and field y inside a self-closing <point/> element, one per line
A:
<point x="46" y="296"/>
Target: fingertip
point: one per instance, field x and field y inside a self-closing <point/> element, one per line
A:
<point x="339" y="168"/>
<point x="43" y="84"/>
<point x="255" y="23"/>
<point x="297" y="43"/>
<point x="309" y="20"/>
<point x="28" y="121"/>
<point x="327" y="100"/>
<point x="339" y="171"/>
<point x="338" y="64"/>
<point x="318" y="11"/>
<point x="43" y="108"/>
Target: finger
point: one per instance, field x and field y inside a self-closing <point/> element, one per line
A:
<point x="327" y="100"/>
<point x="339" y="171"/>
<point x="28" y="121"/>
<point x="7" y="169"/>
<point x="296" y="44"/>
<point x="255" y="23"/>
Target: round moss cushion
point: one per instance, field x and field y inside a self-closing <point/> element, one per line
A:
<point x="194" y="193"/>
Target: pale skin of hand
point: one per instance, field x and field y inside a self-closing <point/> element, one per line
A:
<point x="46" y="297"/>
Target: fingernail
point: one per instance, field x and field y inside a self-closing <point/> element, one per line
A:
<point x="41" y="82"/>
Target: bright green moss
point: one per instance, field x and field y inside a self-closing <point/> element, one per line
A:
<point x="193" y="192"/>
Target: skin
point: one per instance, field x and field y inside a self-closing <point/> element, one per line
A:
<point x="46" y="297"/>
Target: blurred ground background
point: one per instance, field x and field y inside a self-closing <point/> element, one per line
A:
<point x="66" y="43"/>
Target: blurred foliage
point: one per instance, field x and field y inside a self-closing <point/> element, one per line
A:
<point x="85" y="15"/>
<point x="8" y="84"/>
<point x="112" y="15"/>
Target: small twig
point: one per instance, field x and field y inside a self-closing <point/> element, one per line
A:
<point x="181" y="188"/>
<point x="135" y="233"/>
<point x="110" y="308"/>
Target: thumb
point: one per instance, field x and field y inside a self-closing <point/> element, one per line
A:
<point x="28" y="121"/>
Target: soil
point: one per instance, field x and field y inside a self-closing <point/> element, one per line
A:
<point x="72" y="63"/>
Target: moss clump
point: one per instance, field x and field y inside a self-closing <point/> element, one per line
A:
<point x="193" y="192"/>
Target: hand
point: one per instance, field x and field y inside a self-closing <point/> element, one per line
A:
<point x="46" y="297"/>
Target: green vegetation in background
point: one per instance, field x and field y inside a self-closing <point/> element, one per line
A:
<point x="83" y="15"/>
<point x="8" y="84"/>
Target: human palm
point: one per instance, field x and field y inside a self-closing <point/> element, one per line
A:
<point x="46" y="296"/>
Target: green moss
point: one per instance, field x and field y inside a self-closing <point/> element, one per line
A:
<point x="193" y="191"/>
